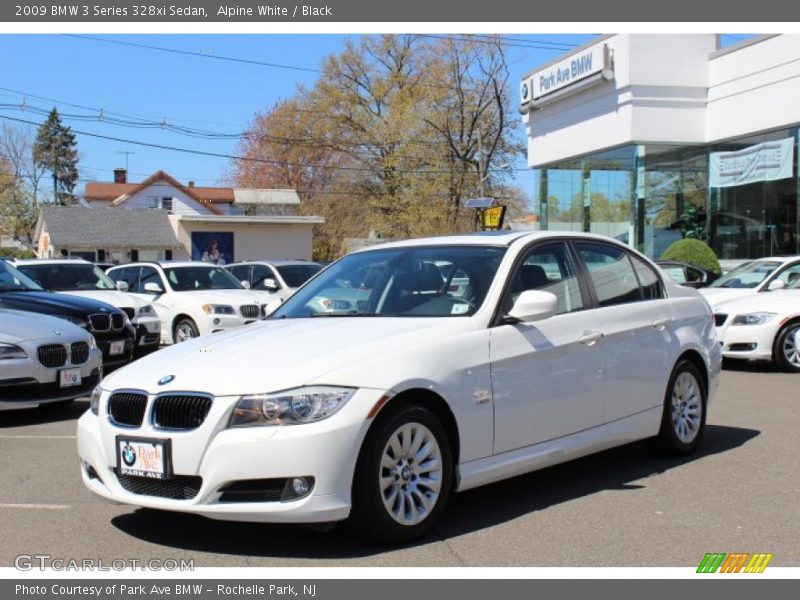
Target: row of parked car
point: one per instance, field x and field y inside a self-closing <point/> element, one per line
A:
<point x="64" y="322"/>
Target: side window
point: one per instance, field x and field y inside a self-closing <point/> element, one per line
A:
<point x="129" y="275"/>
<point x="549" y="268"/>
<point x="611" y="273"/>
<point x="148" y="275"/>
<point x="790" y="275"/>
<point x="648" y="280"/>
<point x="260" y="272"/>
<point x="693" y="275"/>
<point x="241" y="272"/>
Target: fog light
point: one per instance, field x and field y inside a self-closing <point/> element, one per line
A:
<point x="216" y="321"/>
<point x="300" y="486"/>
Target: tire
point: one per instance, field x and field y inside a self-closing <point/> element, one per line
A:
<point x="683" y="420"/>
<point x="395" y="495"/>
<point x="785" y="352"/>
<point x="185" y="329"/>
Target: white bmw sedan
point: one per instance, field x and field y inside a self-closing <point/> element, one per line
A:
<point x="550" y="347"/>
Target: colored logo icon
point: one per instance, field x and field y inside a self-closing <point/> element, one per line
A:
<point x="128" y="455"/>
<point x="737" y="562"/>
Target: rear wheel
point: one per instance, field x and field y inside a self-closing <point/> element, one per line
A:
<point x="786" y="352"/>
<point x="403" y="477"/>
<point x="684" y="418"/>
<point x="185" y="329"/>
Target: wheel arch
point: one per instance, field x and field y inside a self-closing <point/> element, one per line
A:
<point x="694" y="357"/>
<point x="177" y="319"/>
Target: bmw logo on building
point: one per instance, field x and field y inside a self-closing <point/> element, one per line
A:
<point x="525" y="91"/>
<point x="166" y="379"/>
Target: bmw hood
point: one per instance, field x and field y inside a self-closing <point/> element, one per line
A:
<point x="113" y="297"/>
<point x="279" y="354"/>
<point x="17" y="326"/>
<point x="784" y="302"/>
<point x="53" y="304"/>
<point x="716" y="296"/>
<point x="229" y="297"/>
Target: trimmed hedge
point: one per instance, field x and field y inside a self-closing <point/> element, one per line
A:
<point x="694" y="252"/>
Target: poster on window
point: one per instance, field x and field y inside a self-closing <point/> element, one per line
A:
<point x="767" y="161"/>
<point x="213" y="246"/>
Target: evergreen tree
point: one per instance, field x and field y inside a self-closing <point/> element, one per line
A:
<point x="55" y="149"/>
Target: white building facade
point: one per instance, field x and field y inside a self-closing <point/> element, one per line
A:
<point x="643" y="136"/>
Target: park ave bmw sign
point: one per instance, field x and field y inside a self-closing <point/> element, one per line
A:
<point x="564" y="73"/>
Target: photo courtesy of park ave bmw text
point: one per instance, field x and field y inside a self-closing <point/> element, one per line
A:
<point x="351" y="299"/>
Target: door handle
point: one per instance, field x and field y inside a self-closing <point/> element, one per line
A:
<point x="590" y="338"/>
<point x="661" y="324"/>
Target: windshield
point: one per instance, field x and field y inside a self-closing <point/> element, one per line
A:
<point x="424" y="281"/>
<point x="189" y="279"/>
<point x="62" y="277"/>
<point x="11" y="280"/>
<point x="748" y="275"/>
<point x="297" y="275"/>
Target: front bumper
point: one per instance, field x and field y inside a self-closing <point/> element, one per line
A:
<point x="216" y="457"/>
<point x="148" y="331"/>
<point x="748" y="342"/>
<point x="36" y="385"/>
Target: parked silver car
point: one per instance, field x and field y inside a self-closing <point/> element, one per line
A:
<point x="45" y="360"/>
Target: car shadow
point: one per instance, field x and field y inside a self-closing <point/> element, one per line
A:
<point x="49" y="413"/>
<point x="620" y="468"/>
<point x="750" y="366"/>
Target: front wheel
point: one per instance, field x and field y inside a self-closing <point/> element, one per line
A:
<point x="403" y="477"/>
<point x="786" y="352"/>
<point x="684" y="418"/>
<point x="185" y="329"/>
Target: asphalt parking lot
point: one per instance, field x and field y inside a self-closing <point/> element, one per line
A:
<point x="624" y="507"/>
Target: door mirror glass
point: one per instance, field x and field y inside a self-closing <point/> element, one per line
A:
<point x="270" y="284"/>
<point x="153" y="288"/>
<point x="122" y="286"/>
<point x="533" y="305"/>
<point x="776" y="284"/>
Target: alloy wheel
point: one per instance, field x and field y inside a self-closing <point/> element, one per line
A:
<point x="687" y="407"/>
<point x="791" y="347"/>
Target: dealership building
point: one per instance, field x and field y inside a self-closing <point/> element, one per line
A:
<point x="643" y="136"/>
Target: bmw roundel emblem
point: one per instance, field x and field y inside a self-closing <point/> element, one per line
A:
<point x="128" y="455"/>
<point x="166" y="379"/>
<point x="525" y="91"/>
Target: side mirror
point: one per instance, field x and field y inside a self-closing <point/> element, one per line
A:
<point x="270" y="284"/>
<point x="153" y="288"/>
<point x="246" y="284"/>
<point x="533" y="305"/>
<point x="776" y="284"/>
<point x="122" y="286"/>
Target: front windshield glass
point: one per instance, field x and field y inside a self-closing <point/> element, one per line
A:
<point x="748" y="275"/>
<point x="297" y="275"/>
<point x="424" y="281"/>
<point x="189" y="279"/>
<point x="11" y="280"/>
<point x="62" y="277"/>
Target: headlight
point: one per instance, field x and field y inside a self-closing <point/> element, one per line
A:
<point x="75" y="320"/>
<point x="10" y="351"/>
<point x="218" y="309"/>
<point x="758" y="318"/>
<point x="292" y="407"/>
<point x="94" y="399"/>
<point x="145" y="310"/>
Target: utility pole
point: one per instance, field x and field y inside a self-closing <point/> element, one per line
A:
<point x="480" y="161"/>
<point x="55" y="174"/>
<point x="127" y="153"/>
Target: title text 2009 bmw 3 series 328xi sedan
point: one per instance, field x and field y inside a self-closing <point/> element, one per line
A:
<point x="407" y="372"/>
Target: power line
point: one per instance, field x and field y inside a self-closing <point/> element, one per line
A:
<point x="251" y="159"/>
<point x="493" y="40"/>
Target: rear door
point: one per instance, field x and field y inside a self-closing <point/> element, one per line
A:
<point x="634" y="317"/>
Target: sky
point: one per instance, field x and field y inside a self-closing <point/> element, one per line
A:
<point x="185" y="85"/>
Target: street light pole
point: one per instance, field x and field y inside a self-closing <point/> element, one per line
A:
<point x="481" y="176"/>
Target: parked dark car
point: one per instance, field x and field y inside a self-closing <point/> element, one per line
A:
<point x="110" y="326"/>
<point x="687" y="275"/>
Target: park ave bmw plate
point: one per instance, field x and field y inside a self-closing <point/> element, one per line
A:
<point x="143" y="457"/>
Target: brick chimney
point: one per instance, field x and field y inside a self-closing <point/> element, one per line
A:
<point x="120" y="175"/>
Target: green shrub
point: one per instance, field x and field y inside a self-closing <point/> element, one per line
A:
<point x="693" y="252"/>
<point x="14" y="253"/>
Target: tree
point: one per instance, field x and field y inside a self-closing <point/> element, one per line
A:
<point x="20" y="182"/>
<point x="55" y="148"/>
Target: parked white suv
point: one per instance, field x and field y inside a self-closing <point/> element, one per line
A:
<point x="45" y="360"/>
<point x="556" y="346"/>
<point x="279" y="278"/>
<point x="78" y="277"/>
<point x="191" y="298"/>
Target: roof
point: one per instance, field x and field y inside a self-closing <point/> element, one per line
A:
<point x="245" y="219"/>
<point x="99" y="227"/>
<point x="264" y="196"/>
<point x="281" y="262"/>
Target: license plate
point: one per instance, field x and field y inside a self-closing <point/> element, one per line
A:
<point x="117" y="347"/>
<point x="69" y="377"/>
<point x="143" y="457"/>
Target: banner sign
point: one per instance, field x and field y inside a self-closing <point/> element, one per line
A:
<point x="492" y="218"/>
<point x="767" y="161"/>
